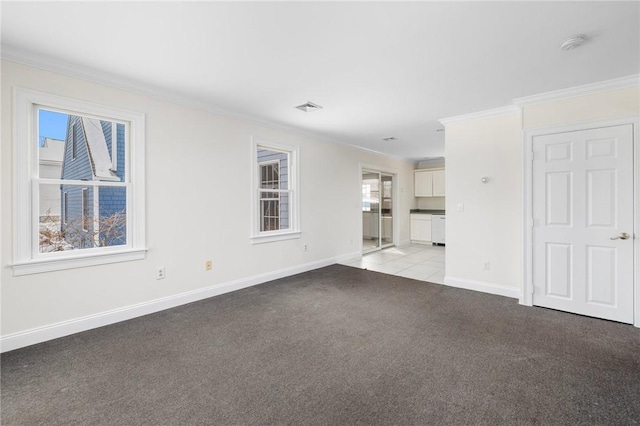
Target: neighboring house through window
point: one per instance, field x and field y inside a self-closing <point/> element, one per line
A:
<point x="72" y="141"/>
<point x="99" y="219"/>
<point x="275" y="205"/>
<point x="65" y="203"/>
<point x="270" y="201"/>
<point x="99" y="187"/>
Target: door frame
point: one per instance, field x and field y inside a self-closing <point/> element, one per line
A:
<point x="526" y="297"/>
<point x="394" y="198"/>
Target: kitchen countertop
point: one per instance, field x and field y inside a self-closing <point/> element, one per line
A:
<point x="418" y="211"/>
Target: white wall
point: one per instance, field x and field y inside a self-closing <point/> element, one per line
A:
<point x="490" y="228"/>
<point x="597" y="106"/>
<point x="198" y="208"/>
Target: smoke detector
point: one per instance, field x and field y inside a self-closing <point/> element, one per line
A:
<point x="573" y="42"/>
<point x="308" y="107"/>
<point x="390" y="139"/>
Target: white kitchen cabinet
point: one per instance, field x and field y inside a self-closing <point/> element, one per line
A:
<point x="421" y="228"/>
<point x="438" y="183"/>
<point x="429" y="183"/>
<point x="423" y="183"/>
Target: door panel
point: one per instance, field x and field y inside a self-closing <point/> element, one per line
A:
<point x="370" y="211"/>
<point x="377" y="210"/>
<point x="601" y="278"/>
<point x="386" y="202"/>
<point x="601" y="198"/>
<point x="582" y="199"/>
<point x="559" y="199"/>
<point x="559" y="270"/>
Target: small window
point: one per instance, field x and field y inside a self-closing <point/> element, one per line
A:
<point x="276" y="211"/>
<point x="81" y="174"/>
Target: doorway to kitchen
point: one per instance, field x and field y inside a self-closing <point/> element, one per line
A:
<point x="377" y="210"/>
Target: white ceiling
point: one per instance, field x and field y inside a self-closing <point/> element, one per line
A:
<point x="379" y="69"/>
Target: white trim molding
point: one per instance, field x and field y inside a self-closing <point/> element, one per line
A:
<point x="293" y="172"/>
<point x="587" y="89"/>
<point x="571" y="92"/>
<point x="55" y="65"/>
<point x="26" y="256"/>
<point x="484" y="287"/>
<point x="36" y="335"/>
<point x="489" y="113"/>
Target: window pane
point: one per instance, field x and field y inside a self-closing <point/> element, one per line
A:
<point x="284" y="211"/>
<point x="78" y="217"/>
<point x="269" y="173"/>
<point x="80" y="148"/>
<point x="270" y="212"/>
<point x="274" y="167"/>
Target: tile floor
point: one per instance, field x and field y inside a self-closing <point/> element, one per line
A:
<point x="417" y="261"/>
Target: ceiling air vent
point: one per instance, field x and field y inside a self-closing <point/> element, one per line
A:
<point x="308" y="107"/>
<point x="573" y="42"/>
<point x="390" y="139"/>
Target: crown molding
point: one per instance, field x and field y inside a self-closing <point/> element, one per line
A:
<point x="48" y="63"/>
<point x="489" y="113"/>
<point x="51" y="64"/>
<point x="587" y="89"/>
<point x="571" y="92"/>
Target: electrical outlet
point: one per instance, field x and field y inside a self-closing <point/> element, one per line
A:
<point x="208" y="265"/>
<point x="460" y="207"/>
<point x="160" y="273"/>
<point x="487" y="266"/>
<point x="306" y="248"/>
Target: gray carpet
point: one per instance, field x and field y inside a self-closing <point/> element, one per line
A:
<point x="334" y="346"/>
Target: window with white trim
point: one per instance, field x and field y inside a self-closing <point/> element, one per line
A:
<point x="275" y="200"/>
<point x="79" y="183"/>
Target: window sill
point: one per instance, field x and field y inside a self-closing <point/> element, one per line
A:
<point x="259" y="239"/>
<point x="59" y="264"/>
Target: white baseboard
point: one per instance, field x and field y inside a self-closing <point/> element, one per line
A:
<point x="484" y="287"/>
<point x="21" y="339"/>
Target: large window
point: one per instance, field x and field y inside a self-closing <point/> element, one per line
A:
<point x="79" y="183"/>
<point x="275" y="214"/>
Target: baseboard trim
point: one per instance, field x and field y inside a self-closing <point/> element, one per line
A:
<point x="36" y="335"/>
<point x="483" y="287"/>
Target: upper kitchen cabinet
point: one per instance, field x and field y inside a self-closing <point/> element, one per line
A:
<point x="423" y="183"/>
<point x="438" y="183"/>
<point x="429" y="183"/>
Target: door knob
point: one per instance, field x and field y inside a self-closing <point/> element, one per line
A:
<point x="621" y="236"/>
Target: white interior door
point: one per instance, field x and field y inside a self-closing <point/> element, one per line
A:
<point x="582" y="211"/>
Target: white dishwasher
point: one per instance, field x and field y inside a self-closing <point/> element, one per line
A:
<point x="437" y="228"/>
